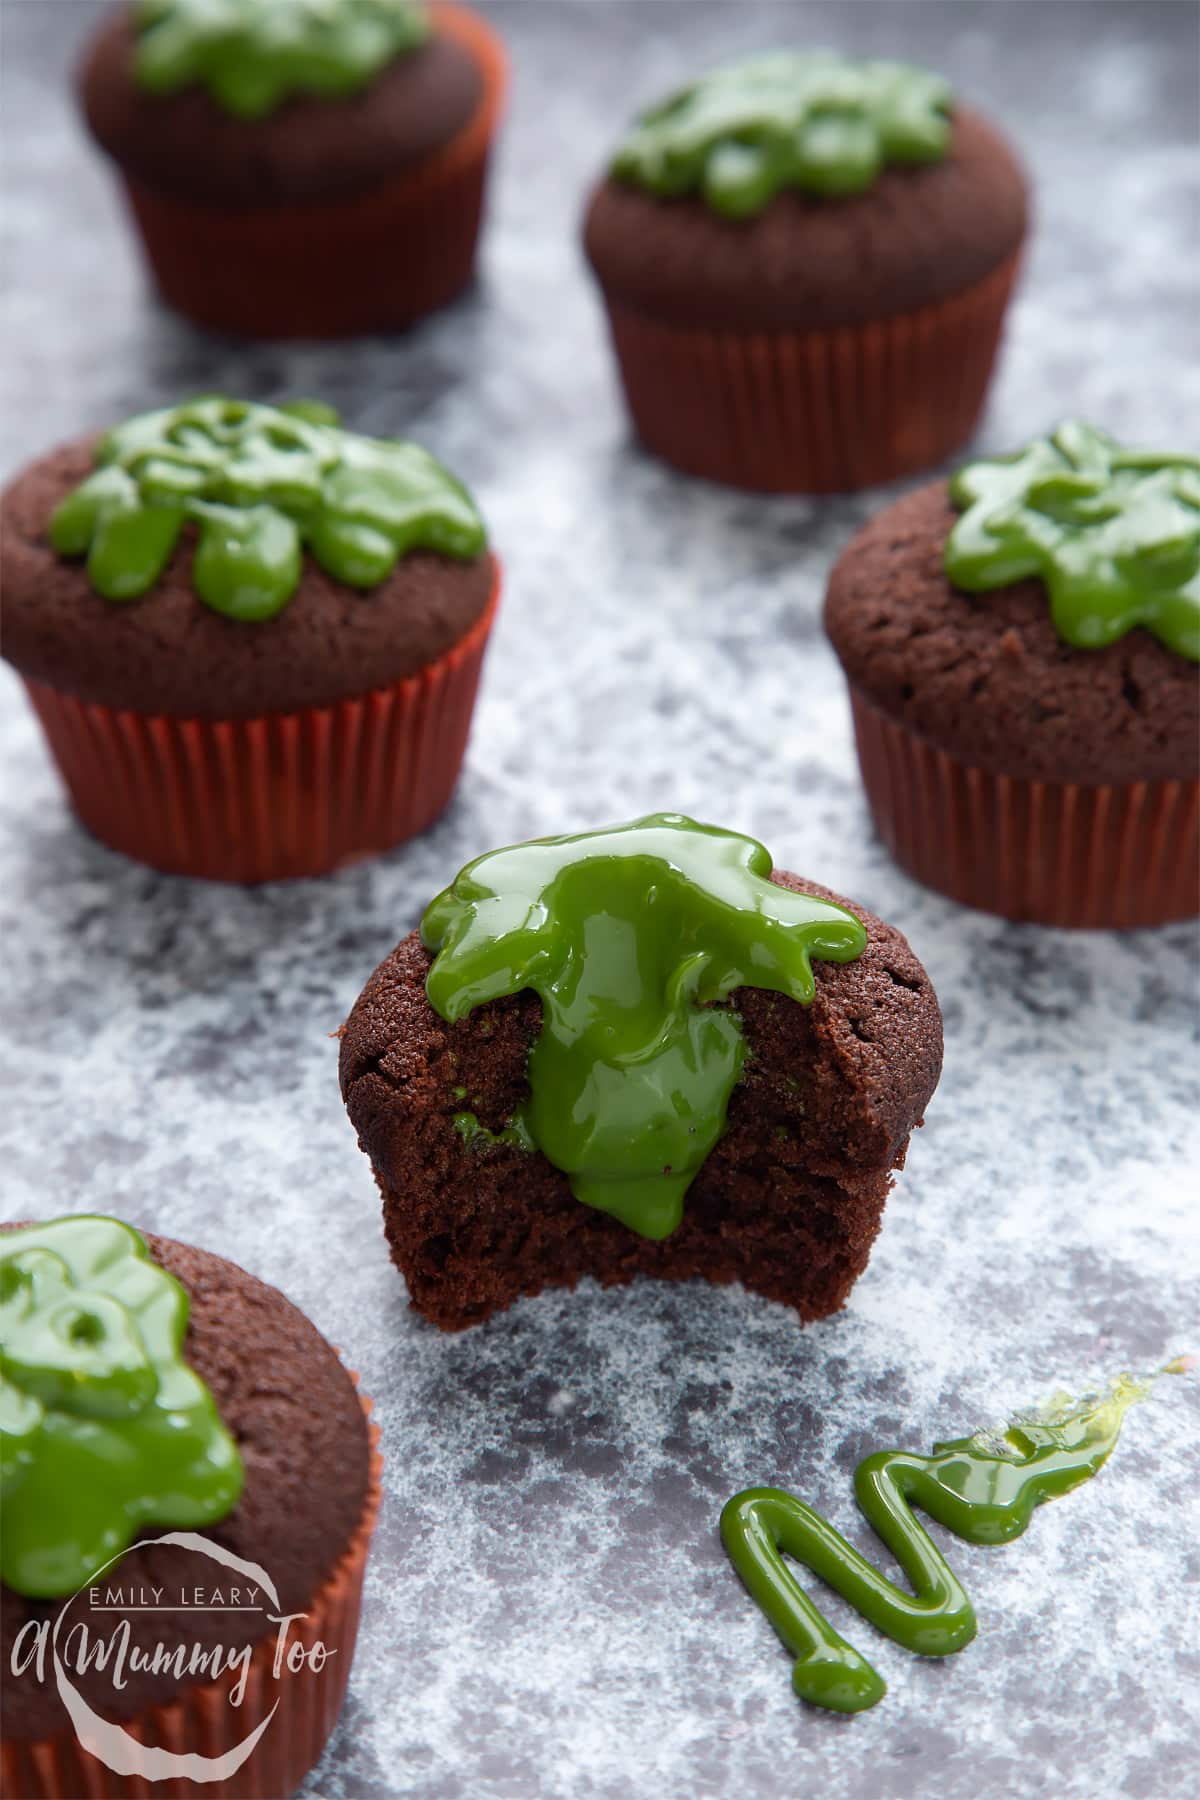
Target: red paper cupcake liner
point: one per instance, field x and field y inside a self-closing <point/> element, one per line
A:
<point x="275" y="797"/>
<point x="813" y="412"/>
<point x="1048" y="852"/>
<point x="202" y="1720"/>
<point x="375" y="261"/>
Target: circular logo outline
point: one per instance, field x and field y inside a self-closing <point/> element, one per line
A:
<point x="111" y="1744"/>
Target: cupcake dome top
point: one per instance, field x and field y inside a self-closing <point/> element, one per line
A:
<point x="260" y="484"/>
<point x="222" y="560"/>
<point x="630" y="936"/>
<point x="252" y="54"/>
<point x="104" y="1427"/>
<point x="1112" y="532"/>
<point x="816" y="121"/>
<point x="984" y="674"/>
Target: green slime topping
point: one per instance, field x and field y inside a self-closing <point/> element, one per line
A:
<point x="251" y="54"/>
<point x="260" y="484"/>
<point x="1113" y="533"/>
<point x="982" y="1488"/>
<point x="472" y="1132"/>
<point x="103" y="1426"/>
<point x="814" y="120"/>
<point x="629" y="936"/>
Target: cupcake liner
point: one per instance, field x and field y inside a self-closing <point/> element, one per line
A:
<point x="813" y="412"/>
<point x="1048" y="852"/>
<point x="201" y="1719"/>
<point x="275" y="797"/>
<point x="374" y="261"/>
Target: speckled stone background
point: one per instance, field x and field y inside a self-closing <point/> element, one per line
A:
<point x="549" y="1612"/>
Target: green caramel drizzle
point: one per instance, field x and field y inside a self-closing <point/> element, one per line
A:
<point x="253" y="54"/>
<point x="982" y="1488"/>
<point x="103" y="1426"/>
<point x="1113" y="533"/>
<point x="813" y="120"/>
<point x="261" y="484"/>
<point x="631" y="937"/>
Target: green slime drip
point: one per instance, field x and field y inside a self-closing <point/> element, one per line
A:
<point x="471" y="1131"/>
<point x="630" y="936"/>
<point x="252" y="54"/>
<point x="103" y="1426"/>
<point x="260" y="483"/>
<point x="982" y="1488"/>
<point x="817" y="121"/>
<point x="1113" y="533"/>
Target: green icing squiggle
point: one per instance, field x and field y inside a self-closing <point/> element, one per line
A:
<point x="982" y="1488"/>
<point x="261" y="484"/>
<point x="632" y="937"/>
<point x="1113" y="533"/>
<point x="816" y="121"/>
<point x="104" y="1428"/>
<point x="252" y="54"/>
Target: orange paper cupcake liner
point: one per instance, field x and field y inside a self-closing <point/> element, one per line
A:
<point x="374" y="261"/>
<point x="202" y="1721"/>
<point x="1115" y="857"/>
<point x="813" y="412"/>
<point x="276" y="797"/>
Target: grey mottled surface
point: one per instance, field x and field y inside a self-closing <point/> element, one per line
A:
<point x="548" y="1609"/>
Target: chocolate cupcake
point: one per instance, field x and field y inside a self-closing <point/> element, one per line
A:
<point x="806" y="259"/>
<point x="190" y="1486"/>
<point x="1020" y="647"/>
<point x="298" y="169"/>
<point x="253" y="639"/>
<point x="638" y="1052"/>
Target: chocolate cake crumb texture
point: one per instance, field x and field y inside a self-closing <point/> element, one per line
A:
<point x="590" y="1438"/>
<point x="788" y="1203"/>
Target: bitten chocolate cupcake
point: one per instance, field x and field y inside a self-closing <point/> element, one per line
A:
<point x="190" y="1487"/>
<point x="806" y="259"/>
<point x="299" y="168"/>
<point x="1020" y="647"/>
<point x="253" y="639"/>
<point x="638" y="1052"/>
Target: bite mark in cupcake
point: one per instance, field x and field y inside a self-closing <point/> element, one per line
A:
<point x="631" y="938"/>
<point x="644" y="1053"/>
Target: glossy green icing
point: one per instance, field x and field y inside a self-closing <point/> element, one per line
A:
<point x="261" y="484"/>
<point x="982" y="1488"/>
<point x="812" y="120"/>
<point x="103" y="1426"/>
<point x="472" y="1132"/>
<point x="1113" y="533"/>
<point x="631" y="937"/>
<point x="253" y="54"/>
